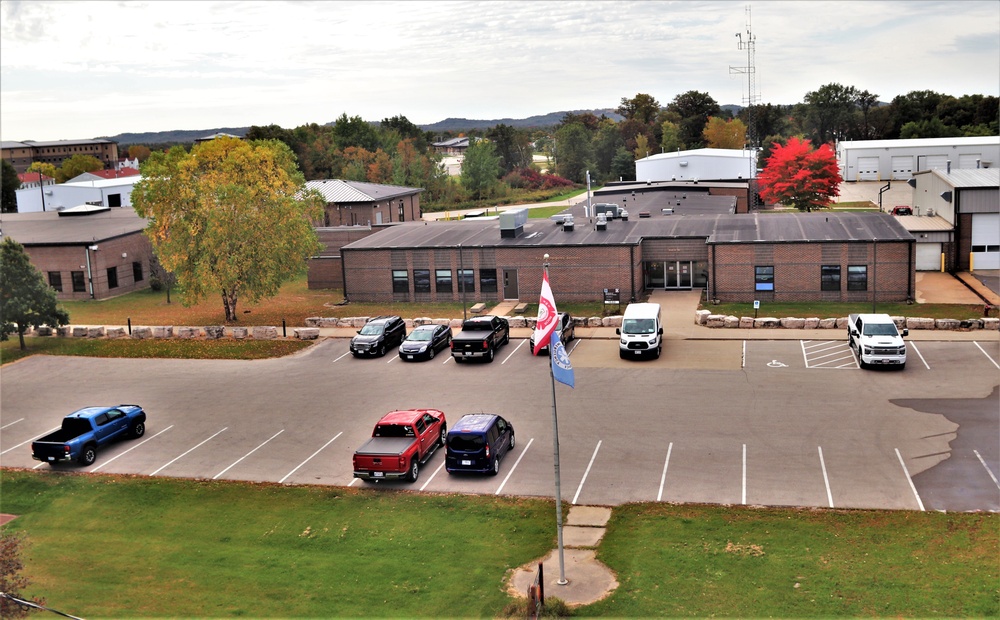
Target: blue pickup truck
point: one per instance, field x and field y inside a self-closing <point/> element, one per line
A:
<point x="88" y="429"/>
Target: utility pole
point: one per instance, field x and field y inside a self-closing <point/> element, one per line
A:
<point x="750" y="100"/>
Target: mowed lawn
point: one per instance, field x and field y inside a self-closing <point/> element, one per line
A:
<point x="124" y="546"/>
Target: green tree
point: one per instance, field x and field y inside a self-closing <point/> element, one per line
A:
<point x="10" y="184"/>
<point x="26" y="301"/>
<point x="797" y="175"/>
<point x="671" y="140"/>
<point x="642" y="108"/>
<point x="355" y="131"/>
<point x="829" y="111"/>
<point x="44" y="167"/>
<point x="480" y="168"/>
<point x="230" y="217"/>
<point x="513" y="147"/>
<point x="574" y="155"/>
<point x="623" y="165"/>
<point x="866" y="101"/>
<point x="77" y="165"/>
<point x="693" y="109"/>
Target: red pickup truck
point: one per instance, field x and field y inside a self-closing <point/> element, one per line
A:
<point x="401" y="442"/>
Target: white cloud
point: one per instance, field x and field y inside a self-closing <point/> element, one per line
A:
<point x="82" y="69"/>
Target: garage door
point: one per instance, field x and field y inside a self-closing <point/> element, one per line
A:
<point x="928" y="257"/>
<point x="932" y="162"/>
<point x="969" y="160"/>
<point x="902" y="167"/>
<point x="868" y="169"/>
<point x="986" y="241"/>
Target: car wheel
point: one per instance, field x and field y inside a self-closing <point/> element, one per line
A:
<point x="444" y="435"/>
<point x="458" y="360"/>
<point x="506" y="338"/>
<point x="511" y="441"/>
<point x="88" y="456"/>
<point x="496" y="467"/>
<point x="414" y="470"/>
<point x="381" y="351"/>
<point x="657" y="354"/>
<point x="489" y="355"/>
<point x="138" y="430"/>
<point x="430" y="353"/>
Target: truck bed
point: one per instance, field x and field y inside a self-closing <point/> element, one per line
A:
<point x="385" y="446"/>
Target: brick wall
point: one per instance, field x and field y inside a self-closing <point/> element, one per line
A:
<point x="67" y="259"/>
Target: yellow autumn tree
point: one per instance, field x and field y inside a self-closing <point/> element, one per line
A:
<point x="231" y="218"/>
<point x="720" y="133"/>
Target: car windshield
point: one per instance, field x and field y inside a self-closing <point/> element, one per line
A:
<point x="421" y="335"/>
<point x="465" y="443"/>
<point x="372" y="330"/>
<point x="880" y="329"/>
<point x="638" y="326"/>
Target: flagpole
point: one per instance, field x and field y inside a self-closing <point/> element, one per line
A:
<point x="555" y="453"/>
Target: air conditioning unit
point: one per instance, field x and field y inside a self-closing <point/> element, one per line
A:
<point x="930" y="212"/>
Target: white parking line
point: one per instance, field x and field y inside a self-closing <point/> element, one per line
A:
<point x="516" y="349"/>
<point x="310" y="458"/>
<point x="103" y="463"/>
<point x="432" y="476"/>
<point x="988" y="470"/>
<point x="826" y="478"/>
<point x="826" y="354"/>
<point x="910" y="480"/>
<point x="743" y="358"/>
<point x="511" y="472"/>
<point x="744" y="474"/>
<point x="913" y="345"/>
<point x="392" y="359"/>
<point x="987" y="355"/>
<point x="51" y="430"/>
<point x="576" y="343"/>
<point x="246" y="455"/>
<point x="586" y="473"/>
<point x="663" y="476"/>
<point x="188" y="452"/>
<point x="341" y="357"/>
<point x="11" y="424"/>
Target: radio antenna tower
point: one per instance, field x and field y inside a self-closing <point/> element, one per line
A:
<point x="751" y="99"/>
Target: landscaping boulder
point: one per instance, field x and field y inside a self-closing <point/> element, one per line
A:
<point x="516" y="322"/>
<point x="116" y="332"/>
<point x="188" y="332"/>
<point x="163" y="331"/>
<point x="715" y="320"/>
<point x="214" y="332"/>
<point x="79" y="332"/>
<point x="946" y="324"/>
<point x="766" y="322"/>
<point x="95" y="332"/>
<point x="991" y="323"/>
<point x="700" y="316"/>
<point x="141" y="333"/>
<point x="306" y="333"/>
<point x="731" y="321"/>
<point x="746" y="322"/>
<point x="828" y="323"/>
<point x="44" y="330"/>
<point x="261" y="332"/>
<point x="239" y="333"/>
<point x="793" y="323"/>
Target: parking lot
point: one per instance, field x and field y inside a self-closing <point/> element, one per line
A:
<point x="784" y="422"/>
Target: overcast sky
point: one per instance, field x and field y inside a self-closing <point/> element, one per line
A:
<point x="75" y="70"/>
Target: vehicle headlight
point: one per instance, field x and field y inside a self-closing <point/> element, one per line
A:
<point x="652" y="341"/>
<point x="625" y="342"/>
<point x="422" y="348"/>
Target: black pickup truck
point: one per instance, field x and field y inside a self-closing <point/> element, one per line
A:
<point x="480" y="338"/>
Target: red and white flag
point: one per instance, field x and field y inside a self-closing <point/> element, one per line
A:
<point x="546" y="316"/>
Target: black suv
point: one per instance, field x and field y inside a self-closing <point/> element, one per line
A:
<point x="477" y="443"/>
<point x="381" y="334"/>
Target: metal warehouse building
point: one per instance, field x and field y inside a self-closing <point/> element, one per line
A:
<point x="698" y="165"/>
<point x="897" y="160"/>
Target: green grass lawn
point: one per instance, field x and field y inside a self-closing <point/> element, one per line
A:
<point x="123" y="546"/>
<point x="173" y="348"/>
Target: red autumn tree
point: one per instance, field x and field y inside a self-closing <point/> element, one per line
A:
<point x="799" y="176"/>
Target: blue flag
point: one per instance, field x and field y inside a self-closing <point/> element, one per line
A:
<point x="562" y="370"/>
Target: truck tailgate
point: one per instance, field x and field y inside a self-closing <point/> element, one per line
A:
<point x="385" y="446"/>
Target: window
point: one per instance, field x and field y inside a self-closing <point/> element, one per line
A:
<point x="137" y="271"/>
<point x="830" y="278"/>
<point x="487" y="280"/>
<point x="442" y="278"/>
<point x="857" y="277"/>
<point x="421" y="280"/>
<point x="466" y="281"/>
<point x="112" y="277"/>
<point x="55" y="280"/>
<point x="764" y="278"/>
<point x="79" y="284"/>
<point x="400" y="281"/>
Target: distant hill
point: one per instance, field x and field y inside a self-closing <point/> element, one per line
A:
<point x="449" y="124"/>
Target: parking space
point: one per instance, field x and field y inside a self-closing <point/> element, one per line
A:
<point x="725" y="422"/>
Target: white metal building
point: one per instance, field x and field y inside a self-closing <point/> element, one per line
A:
<point x="698" y="165"/>
<point x="969" y="200"/>
<point x="897" y="160"/>
<point x="104" y="192"/>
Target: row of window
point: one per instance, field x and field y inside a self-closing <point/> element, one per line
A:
<point x="80" y="282"/>
<point x="829" y="278"/>
<point x="443" y="280"/>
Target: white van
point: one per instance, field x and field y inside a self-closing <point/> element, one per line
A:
<point x="641" y="331"/>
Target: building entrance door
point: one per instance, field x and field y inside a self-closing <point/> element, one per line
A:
<point x="510" y="284"/>
<point x="678" y="274"/>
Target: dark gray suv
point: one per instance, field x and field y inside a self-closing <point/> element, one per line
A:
<point x="380" y="334"/>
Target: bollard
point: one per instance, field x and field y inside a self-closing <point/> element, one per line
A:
<point x="284" y="334"/>
<point x="129" y="326"/>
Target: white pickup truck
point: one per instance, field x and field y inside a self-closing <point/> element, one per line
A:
<point x="877" y="341"/>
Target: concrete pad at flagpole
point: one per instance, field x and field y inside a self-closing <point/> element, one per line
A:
<point x="589" y="580"/>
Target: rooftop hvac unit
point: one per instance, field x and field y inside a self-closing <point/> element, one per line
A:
<point x="512" y="222"/>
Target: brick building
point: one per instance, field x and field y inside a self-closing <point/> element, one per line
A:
<point x="22" y="154"/>
<point x="87" y="252"/>
<point x="767" y="257"/>
<point x="354" y="203"/>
